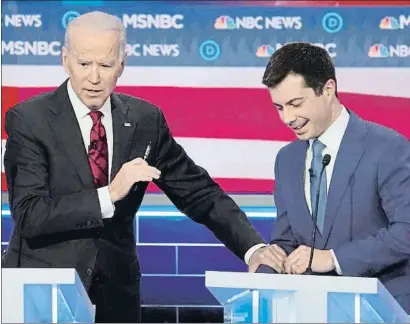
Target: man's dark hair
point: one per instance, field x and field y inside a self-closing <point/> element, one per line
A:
<point x="312" y="62"/>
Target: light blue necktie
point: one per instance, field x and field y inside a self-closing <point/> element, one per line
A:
<point x="316" y="167"/>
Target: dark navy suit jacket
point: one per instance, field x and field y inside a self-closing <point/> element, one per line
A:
<point x="367" y="221"/>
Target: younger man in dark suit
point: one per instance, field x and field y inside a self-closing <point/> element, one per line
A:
<point x="363" y="205"/>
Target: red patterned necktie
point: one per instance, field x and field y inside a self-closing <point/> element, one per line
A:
<point x="98" y="151"/>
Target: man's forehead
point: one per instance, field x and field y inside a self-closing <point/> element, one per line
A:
<point x="100" y="47"/>
<point x="87" y="55"/>
<point x="293" y="81"/>
<point x="93" y="35"/>
<point x="289" y="90"/>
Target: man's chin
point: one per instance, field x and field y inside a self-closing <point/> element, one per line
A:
<point x="303" y="137"/>
<point x="93" y="104"/>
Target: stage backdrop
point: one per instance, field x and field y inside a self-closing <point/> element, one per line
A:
<point x="203" y="64"/>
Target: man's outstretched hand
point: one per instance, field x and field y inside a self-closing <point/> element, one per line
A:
<point x="296" y="263"/>
<point x="272" y="256"/>
<point x="298" y="260"/>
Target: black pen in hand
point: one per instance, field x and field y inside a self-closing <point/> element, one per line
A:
<point x="146" y="154"/>
<point x="148" y="149"/>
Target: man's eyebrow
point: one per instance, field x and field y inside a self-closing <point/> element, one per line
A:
<point x="289" y="102"/>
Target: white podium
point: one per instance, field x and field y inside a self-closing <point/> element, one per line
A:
<point x="44" y="295"/>
<point x="275" y="298"/>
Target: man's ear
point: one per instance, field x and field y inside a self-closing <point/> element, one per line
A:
<point x="123" y="62"/>
<point x="64" y="59"/>
<point x="330" y="88"/>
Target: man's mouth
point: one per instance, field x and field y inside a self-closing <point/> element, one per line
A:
<point x="300" y="126"/>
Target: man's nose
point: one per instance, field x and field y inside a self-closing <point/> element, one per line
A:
<point x="288" y="116"/>
<point x="94" y="75"/>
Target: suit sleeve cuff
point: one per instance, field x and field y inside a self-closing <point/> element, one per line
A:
<point x="337" y="265"/>
<point x="251" y="251"/>
<point x="106" y="205"/>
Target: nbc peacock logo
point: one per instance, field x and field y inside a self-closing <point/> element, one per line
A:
<point x="378" y="51"/>
<point x="389" y="23"/>
<point x="265" y="51"/>
<point x="224" y="22"/>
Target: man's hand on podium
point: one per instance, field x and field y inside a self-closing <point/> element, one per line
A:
<point x="298" y="260"/>
<point x="272" y="256"/>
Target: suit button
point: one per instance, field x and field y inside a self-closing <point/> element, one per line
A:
<point x="89" y="271"/>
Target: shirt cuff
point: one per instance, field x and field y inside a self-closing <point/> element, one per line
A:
<point x="251" y="251"/>
<point x="337" y="266"/>
<point x="106" y="205"/>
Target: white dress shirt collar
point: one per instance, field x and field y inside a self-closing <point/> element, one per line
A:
<point x="81" y="110"/>
<point x="333" y="136"/>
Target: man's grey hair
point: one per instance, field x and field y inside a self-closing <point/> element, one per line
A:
<point x="99" y="22"/>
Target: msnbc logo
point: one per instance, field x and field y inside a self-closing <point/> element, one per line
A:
<point x="265" y="51"/>
<point x="389" y="23"/>
<point x="224" y="22"/>
<point x="378" y="50"/>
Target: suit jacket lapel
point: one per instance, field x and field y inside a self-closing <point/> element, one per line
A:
<point x="64" y="125"/>
<point x="123" y="132"/>
<point x="304" y="220"/>
<point x="350" y="152"/>
<point x="67" y="134"/>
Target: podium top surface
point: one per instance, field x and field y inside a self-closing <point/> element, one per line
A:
<point x="41" y="275"/>
<point x="269" y="281"/>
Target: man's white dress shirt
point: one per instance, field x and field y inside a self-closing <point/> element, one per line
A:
<point x="331" y="138"/>
<point x="85" y="122"/>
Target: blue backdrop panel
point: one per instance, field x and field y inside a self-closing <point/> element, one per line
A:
<point x="173" y="34"/>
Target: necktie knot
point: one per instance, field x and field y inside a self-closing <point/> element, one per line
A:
<point x="317" y="148"/>
<point x="96" y="116"/>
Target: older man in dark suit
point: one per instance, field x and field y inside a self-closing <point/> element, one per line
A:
<point x="78" y="161"/>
